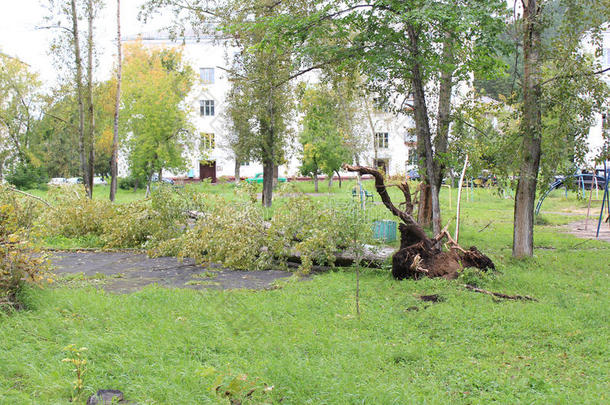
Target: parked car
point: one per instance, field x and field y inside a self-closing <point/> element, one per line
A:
<point x="258" y="178"/>
<point x="155" y="178"/>
<point x="57" y="181"/>
<point x="99" y="180"/>
<point x="74" y="180"/>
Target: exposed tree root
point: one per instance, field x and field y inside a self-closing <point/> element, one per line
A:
<point x="499" y="295"/>
<point x="420" y="256"/>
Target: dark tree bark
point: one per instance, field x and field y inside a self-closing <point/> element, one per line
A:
<point x="79" y="92"/>
<point x="441" y="141"/>
<point x="424" y="135"/>
<point x="88" y="180"/>
<point x="419" y="255"/>
<point x="267" y="182"/>
<point x="531" y="127"/>
<point x="114" y="162"/>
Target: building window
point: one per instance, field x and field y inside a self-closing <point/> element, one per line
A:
<point x="413" y="158"/>
<point x="381" y="105"/>
<point x="606" y="57"/>
<point x="246" y="163"/>
<point x="207" y="75"/>
<point x="381" y="140"/>
<point x="206" y="107"/>
<point x="207" y="141"/>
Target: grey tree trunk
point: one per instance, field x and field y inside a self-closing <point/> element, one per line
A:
<point x="114" y="162"/>
<point x="531" y="127"/>
<point x="441" y="141"/>
<point x="79" y="92"/>
<point x="91" y="116"/>
<point x="423" y="128"/>
<point x="267" y="182"/>
<point x="237" y="170"/>
<point x="315" y="182"/>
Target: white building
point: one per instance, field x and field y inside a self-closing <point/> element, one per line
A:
<point x="393" y="145"/>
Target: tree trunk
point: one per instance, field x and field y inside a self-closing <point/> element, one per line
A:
<point x="114" y="162"/>
<point x="315" y="182"/>
<point x="79" y="92"/>
<point x="267" y="182"/>
<point x="90" y="111"/>
<point x="424" y="136"/>
<point x="276" y="175"/>
<point x="339" y="176"/>
<point x="531" y="127"/>
<point x="420" y="256"/>
<point x="330" y="181"/>
<point x="441" y="140"/>
<point x="237" y="169"/>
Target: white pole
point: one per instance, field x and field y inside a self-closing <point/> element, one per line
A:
<point x="457" y="218"/>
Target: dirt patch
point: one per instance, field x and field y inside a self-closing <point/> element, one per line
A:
<point x="128" y="272"/>
<point x="578" y="229"/>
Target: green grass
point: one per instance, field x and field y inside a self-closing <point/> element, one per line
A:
<point x="305" y="340"/>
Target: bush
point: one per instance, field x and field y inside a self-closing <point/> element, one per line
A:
<point x="146" y="223"/>
<point x="236" y="235"/>
<point x="128" y="183"/>
<point x="74" y="214"/>
<point x="27" y="177"/>
<point x="19" y="263"/>
<point x="26" y="211"/>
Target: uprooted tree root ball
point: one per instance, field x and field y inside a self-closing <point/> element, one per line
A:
<point x="419" y="256"/>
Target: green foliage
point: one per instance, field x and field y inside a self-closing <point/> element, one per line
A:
<point x="25" y="211"/>
<point x="146" y="223"/>
<point x="324" y="141"/>
<point x="27" y="177"/>
<point x="19" y="95"/>
<point x="75" y="357"/>
<point x="236" y="234"/>
<point x="129" y="183"/>
<point x="155" y="84"/>
<point x="74" y="214"/>
<point x="19" y="262"/>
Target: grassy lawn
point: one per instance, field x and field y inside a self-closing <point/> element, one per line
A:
<point x="173" y="346"/>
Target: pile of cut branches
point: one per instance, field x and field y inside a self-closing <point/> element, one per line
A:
<point x="421" y="256"/>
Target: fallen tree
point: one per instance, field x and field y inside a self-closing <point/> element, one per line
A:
<point x="418" y="255"/>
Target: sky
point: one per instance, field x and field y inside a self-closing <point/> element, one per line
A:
<point x="20" y="38"/>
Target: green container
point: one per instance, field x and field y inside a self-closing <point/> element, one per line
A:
<point x="385" y="230"/>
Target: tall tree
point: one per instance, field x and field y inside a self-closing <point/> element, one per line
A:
<point x="404" y="48"/>
<point x="19" y="98"/>
<point x="67" y="48"/>
<point x="580" y="17"/>
<point x="156" y="83"/>
<point x="323" y="138"/>
<point x="114" y="162"/>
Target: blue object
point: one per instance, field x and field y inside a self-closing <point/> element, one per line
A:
<point x="385" y="230"/>
<point x="606" y="197"/>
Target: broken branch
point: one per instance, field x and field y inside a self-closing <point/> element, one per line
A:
<point x="499" y="295"/>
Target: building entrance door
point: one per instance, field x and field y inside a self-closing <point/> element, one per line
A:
<point x="207" y="170"/>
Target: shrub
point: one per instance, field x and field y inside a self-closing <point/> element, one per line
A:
<point x="236" y="235"/>
<point x="146" y="223"/>
<point x="128" y="183"/>
<point x="25" y="210"/>
<point x="27" y="177"/>
<point x="74" y="214"/>
<point x="19" y="263"/>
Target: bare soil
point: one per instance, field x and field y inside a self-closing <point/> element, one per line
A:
<point x="578" y="229"/>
